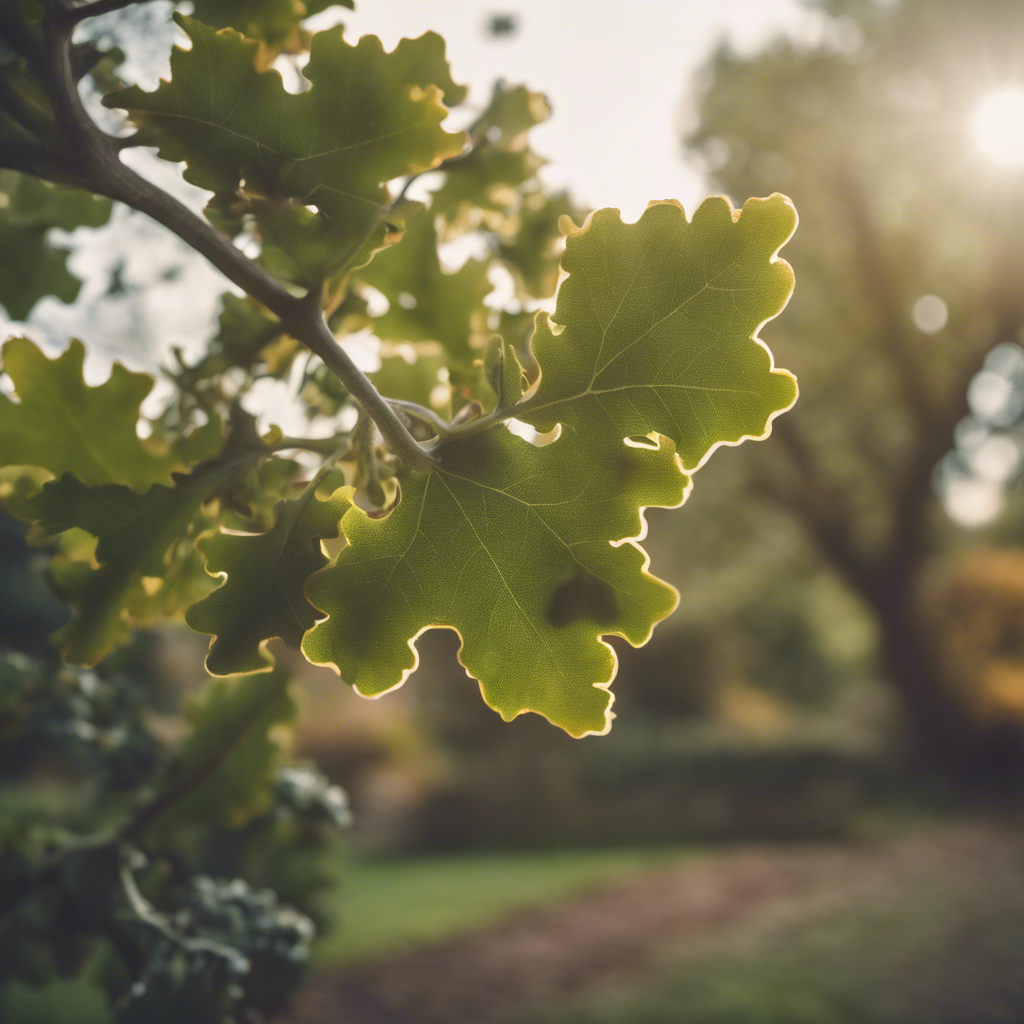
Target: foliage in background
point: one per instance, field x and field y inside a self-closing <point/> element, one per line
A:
<point x="135" y="911"/>
<point x="867" y="129"/>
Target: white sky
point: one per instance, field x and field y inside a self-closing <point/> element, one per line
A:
<point x="616" y="72"/>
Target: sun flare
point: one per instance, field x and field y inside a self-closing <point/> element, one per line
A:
<point x="998" y="126"/>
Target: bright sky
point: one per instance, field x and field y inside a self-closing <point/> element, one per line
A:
<point x="617" y="73"/>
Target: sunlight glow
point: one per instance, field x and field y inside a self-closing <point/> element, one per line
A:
<point x="998" y="127"/>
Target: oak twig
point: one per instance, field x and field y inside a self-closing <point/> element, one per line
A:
<point x="91" y="158"/>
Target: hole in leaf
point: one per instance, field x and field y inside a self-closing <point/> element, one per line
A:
<point x="644" y="441"/>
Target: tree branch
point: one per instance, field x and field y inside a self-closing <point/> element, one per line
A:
<point x="823" y="509"/>
<point x="98" y="7"/>
<point x="96" y="156"/>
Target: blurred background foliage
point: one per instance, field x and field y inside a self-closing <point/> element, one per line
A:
<point x="905" y="334"/>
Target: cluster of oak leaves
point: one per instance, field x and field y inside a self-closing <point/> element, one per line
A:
<point x="649" y="361"/>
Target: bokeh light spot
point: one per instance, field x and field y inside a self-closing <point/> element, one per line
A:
<point x="930" y="314"/>
<point x="998" y="126"/>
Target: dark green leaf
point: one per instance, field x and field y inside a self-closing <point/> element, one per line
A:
<point x="262" y="597"/>
<point x="30" y="267"/>
<point x="223" y="774"/>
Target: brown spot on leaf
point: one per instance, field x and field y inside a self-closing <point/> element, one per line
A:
<point x="583" y="597"/>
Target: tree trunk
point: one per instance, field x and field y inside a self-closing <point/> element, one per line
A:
<point x="972" y="752"/>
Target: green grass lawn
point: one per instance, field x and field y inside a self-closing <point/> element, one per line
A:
<point x="387" y="904"/>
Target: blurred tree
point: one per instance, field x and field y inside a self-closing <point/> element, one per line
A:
<point x="909" y="255"/>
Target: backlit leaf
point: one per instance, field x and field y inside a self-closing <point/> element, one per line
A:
<point x="262" y="597"/>
<point x="519" y="548"/>
<point x="136" y="556"/>
<point x="530" y="241"/>
<point x="272" y="21"/>
<point x="369" y="117"/>
<point x="485" y="179"/>
<point x="512" y="112"/>
<point x="416" y="381"/>
<point x="510" y="545"/>
<point x="655" y="327"/>
<point x="64" y="425"/>
<point x="428" y="304"/>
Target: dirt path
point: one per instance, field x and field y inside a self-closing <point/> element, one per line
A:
<point x="624" y="931"/>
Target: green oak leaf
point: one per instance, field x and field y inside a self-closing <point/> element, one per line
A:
<point x="426" y="303"/>
<point x="139" y="545"/>
<point x="655" y="328"/>
<point x="514" y="547"/>
<point x="30" y="267"/>
<point x="369" y="117"/>
<point x="271" y="21"/>
<point x="512" y="112"/>
<point x="223" y="773"/>
<point x="485" y="179"/>
<point x="64" y="425"/>
<point x="34" y="203"/>
<point x="529" y="242"/>
<point x="651" y="362"/>
<point x="262" y="597"/>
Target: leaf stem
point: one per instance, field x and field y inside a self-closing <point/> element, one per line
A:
<point x="447" y="431"/>
<point x="321" y="445"/>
